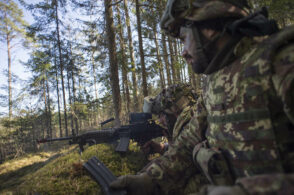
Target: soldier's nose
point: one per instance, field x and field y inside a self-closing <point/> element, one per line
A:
<point x="186" y="55"/>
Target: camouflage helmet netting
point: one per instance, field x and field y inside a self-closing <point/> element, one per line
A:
<point x="173" y="99"/>
<point x="177" y="11"/>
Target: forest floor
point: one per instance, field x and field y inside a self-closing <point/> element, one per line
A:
<point x="60" y="171"/>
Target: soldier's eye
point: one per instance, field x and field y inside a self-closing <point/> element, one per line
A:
<point x="183" y="34"/>
<point x="182" y="37"/>
<point x="182" y="40"/>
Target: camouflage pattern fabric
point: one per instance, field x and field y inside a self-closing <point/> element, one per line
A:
<point x="247" y="104"/>
<point x="194" y="183"/>
<point x="221" y="190"/>
<point x="172" y="170"/>
<point x="184" y="182"/>
<point x="280" y="184"/>
<point x="178" y="11"/>
<point x="182" y="120"/>
<point x="174" y="99"/>
<point x="179" y="99"/>
<point x="246" y="111"/>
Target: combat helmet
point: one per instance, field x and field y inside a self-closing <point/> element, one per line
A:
<point x="178" y="12"/>
<point x="171" y="100"/>
<point x="231" y="17"/>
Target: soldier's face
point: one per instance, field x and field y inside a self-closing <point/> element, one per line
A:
<point x="189" y="51"/>
<point x="163" y="120"/>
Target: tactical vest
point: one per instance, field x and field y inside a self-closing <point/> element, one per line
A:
<point x="245" y="115"/>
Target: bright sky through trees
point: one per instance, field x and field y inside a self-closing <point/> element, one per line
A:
<point x="18" y="54"/>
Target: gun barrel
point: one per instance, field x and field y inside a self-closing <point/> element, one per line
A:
<point x="107" y="121"/>
<point x="53" y="139"/>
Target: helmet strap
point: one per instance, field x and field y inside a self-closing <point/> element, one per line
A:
<point x="223" y="56"/>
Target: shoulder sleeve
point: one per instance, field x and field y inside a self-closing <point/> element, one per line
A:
<point x="172" y="170"/>
<point x="182" y="120"/>
<point x="283" y="79"/>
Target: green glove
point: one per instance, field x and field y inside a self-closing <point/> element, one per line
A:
<point x="135" y="184"/>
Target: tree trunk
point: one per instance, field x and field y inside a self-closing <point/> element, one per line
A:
<point x="34" y="135"/>
<point x="95" y="85"/>
<point x="45" y="108"/>
<point x="9" y="77"/>
<point x="168" y="66"/>
<point x="49" y="107"/>
<point x="42" y="126"/>
<point x="132" y="57"/>
<point x="112" y="60"/>
<point x="124" y="62"/>
<point x="159" y="62"/>
<point x="198" y="82"/>
<point x="192" y="78"/>
<point x="74" y="93"/>
<point x="61" y="65"/>
<point x="176" y="58"/>
<point x="172" y="60"/>
<point x="70" y="103"/>
<point x="144" y="74"/>
<point x="58" y="100"/>
<point x="74" y="104"/>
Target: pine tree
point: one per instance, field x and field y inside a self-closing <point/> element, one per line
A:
<point x="123" y="59"/>
<point x="141" y="51"/>
<point x="112" y="60"/>
<point x="12" y="26"/>
<point x="132" y="58"/>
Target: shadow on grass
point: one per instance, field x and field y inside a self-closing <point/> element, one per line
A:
<point x="12" y="179"/>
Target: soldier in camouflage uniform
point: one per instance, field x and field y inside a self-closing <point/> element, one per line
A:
<point x="241" y="136"/>
<point x="174" y="106"/>
<point x="174" y="109"/>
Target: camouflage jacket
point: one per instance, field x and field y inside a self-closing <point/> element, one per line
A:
<point x="246" y="111"/>
<point x="180" y="127"/>
<point x="182" y="120"/>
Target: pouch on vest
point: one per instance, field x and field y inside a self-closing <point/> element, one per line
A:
<point x="213" y="165"/>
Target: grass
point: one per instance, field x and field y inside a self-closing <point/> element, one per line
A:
<point x="61" y="172"/>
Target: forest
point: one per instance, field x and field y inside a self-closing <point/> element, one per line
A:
<point x="89" y="60"/>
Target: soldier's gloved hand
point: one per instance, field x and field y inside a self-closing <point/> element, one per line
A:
<point x="222" y="190"/>
<point x="152" y="147"/>
<point x="135" y="184"/>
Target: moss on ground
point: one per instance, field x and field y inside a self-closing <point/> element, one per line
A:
<point x="62" y="172"/>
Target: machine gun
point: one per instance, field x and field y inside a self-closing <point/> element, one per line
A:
<point x="141" y="129"/>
